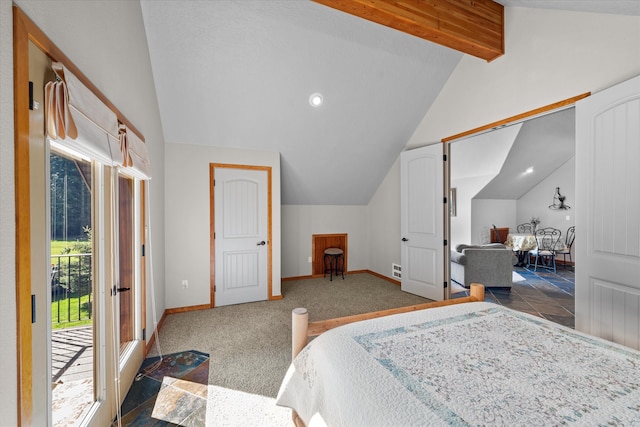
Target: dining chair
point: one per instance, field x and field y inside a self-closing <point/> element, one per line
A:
<point x="545" y="254"/>
<point x="568" y="244"/>
<point x="526" y="228"/>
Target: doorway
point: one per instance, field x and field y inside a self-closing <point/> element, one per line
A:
<point x="529" y="157"/>
<point x="71" y="288"/>
<point x="517" y="181"/>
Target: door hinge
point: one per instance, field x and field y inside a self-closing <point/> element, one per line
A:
<point x="33" y="308"/>
<point x="445" y="242"/>
<point x="444" y="157"/>
<point x="214" y="235"/>
<point x="144" y="334"/>
<point x="142" y="250"/>
<point x="444" y="200"/>
<point x="30" y="95"/>
<point x="446" y="285"/>
<point x="214" y="288"/>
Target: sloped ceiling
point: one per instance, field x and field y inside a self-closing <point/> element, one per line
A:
<point x="239" y="73"/>
<point x="542" y="144"/>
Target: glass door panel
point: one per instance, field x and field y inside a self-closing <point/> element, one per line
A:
<point x="126" y="265"/>
<point x="71" y="289"/>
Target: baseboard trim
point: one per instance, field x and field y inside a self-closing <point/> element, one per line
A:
<point x="152" y="339"/>
<point x="315" y="276"/>
<point x="388" y="279"/>
<point x="288" y="279"/>
<point x="185" y="309"/>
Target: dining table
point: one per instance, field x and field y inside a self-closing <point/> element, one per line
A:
<point x="521" y="243"/>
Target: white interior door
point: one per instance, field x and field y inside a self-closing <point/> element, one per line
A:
<point x="241" y="235"/>
<point x="422" y="221"/>
<point x="608" y="214"/>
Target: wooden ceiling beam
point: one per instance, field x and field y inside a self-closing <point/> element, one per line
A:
<point x="475" y="27"/>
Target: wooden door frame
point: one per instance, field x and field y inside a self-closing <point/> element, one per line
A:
<point x="212" y="227"/>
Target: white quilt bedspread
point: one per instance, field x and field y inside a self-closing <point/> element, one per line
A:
<point x="468" y="364"/>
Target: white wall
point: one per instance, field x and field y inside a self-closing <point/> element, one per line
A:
<point x="536" y="202"/>
<point x="485" y="213"/>
<point x="471" y="170"/>
<point x="509" y="213"/>
<point x="550" y="56"/>
<point x="187" y="216"/>
<point x="462" y="230"/>
<point x="300" y="222"/>
<point x="383" y="225"/>
<point x="106" y="40"/>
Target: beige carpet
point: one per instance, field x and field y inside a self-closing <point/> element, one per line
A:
<point x="250" y="344"/>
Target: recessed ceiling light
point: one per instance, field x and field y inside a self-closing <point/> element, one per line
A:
<point x="529" y="170"/>
<point x="315" y="100"/>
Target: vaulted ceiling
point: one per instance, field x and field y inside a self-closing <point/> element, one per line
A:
<point x="239" y="73"/>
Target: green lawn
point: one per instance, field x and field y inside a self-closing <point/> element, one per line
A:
<point x="68" y="308"/>
<point x="65" y="306"/>
<point x="57" y="246"/>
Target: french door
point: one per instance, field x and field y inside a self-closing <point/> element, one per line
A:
<point x="86" y="271"/>
<point x="607" y="188"/>
<point x="421" y="223"/>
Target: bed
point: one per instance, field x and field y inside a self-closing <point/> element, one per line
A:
<point x="475" y="363"/>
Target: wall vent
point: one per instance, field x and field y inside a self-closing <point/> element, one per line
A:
<point x="396" y="271"/>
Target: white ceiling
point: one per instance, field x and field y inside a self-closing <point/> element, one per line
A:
<point x="239" y="73"/>
<point x="544" y="144"/>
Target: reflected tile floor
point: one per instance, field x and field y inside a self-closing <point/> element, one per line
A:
<point x="171" y="393"/>
<point x="543" y="293"/>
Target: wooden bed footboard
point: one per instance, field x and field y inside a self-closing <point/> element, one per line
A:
<point x="302" y="329"/>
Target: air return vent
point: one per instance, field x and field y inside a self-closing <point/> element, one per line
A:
<point x="396" y="271"/>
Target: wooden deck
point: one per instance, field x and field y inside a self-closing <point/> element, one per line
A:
<point x="72" y="354"/>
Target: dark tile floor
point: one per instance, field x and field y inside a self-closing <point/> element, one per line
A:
<point x="543" y="294"/>
<point x="172" y="392"/>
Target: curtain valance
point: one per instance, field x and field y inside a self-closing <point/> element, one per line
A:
<point x="136" y="156"/>
<point x="78" y="120"/>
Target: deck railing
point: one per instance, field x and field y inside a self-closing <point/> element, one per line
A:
<point x="71" y="290"/>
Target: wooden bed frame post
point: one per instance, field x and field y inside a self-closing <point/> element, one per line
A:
<point x="477" y="291"/>
<point x="299" y="328"/>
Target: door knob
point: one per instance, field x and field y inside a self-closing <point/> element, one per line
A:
<point x="404" y="239"/>
<point x="123" y="289"/>
<point x="262" y="243"/>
